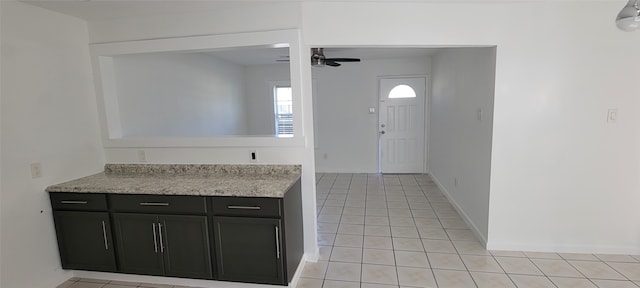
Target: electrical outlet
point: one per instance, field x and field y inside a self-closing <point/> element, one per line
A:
<point x="36" y="170"/>
<point x="480" y="114"/>
<point x="142" y="156"/>
<point x="455" y="182"/>
<point x="325" y="156"/>
<point x="253" y="156"/>
<point x="612" y="115"/>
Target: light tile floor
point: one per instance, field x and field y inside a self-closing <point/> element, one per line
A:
<point x="378" y="231"/>
<point x="99" y="283"/>
<point x="381" y="231"/>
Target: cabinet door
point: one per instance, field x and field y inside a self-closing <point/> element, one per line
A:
<point x="84" y="240"/>
<point x="138" y="240"/>
<point x="249" y="249"/>
<point x="185" y="246"/>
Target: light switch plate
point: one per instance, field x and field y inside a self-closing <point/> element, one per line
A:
<point x="36" y="170"/>
<point x="612" y="115"/>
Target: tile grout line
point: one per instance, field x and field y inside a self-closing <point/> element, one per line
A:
<point x="339" y="223"/>
<point x="433" y="273"/>
<point x="384" y="189"/>
<point x="391" y="231"/>
<point x="366" y="195"/>
<point x="614" y="269"/>
<point x="324" y="275"/>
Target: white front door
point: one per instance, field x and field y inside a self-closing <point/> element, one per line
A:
<point x="401" y="125"/>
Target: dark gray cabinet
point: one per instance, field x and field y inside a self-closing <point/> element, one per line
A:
<point x="243" y="239"/>
<point x="138" y="243"/>
<point x="258" y="240"/>
<point x="162" y="235"/>
<point x="186" y="246"/>
<point x="249" y="249"/>
<point x="84" y="240"/>
<point x="83" y="231"/>
<point x="168" y="245"/>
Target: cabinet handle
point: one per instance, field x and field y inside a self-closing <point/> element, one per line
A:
<point x="104" y="234"/>
<point x="155" y="242"/>
<point x="160" y="232"/>
<point x="154" y="204"/>
<point x="277" y="243"/>
<point x="73" y="202"/>
<point x="243" y="207"/>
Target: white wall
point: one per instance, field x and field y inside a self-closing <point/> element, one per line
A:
<point x="259" y="105"/>
<point x="462" y="83"/>
<point x="263" y="17"/>
<point x="247" y="16"/>
<point x="347" y="132"/>
<point x="48" y="116"/>
<point x="179" y="95"/>
<point x="562" y="179"/>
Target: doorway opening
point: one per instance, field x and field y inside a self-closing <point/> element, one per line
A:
<point x="457" y="114"/>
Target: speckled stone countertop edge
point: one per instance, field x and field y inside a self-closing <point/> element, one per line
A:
<point x="202" y="169"/>
<point x="271" y="181"/>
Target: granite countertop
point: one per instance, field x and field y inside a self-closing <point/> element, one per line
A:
<point x="185" y="179"/>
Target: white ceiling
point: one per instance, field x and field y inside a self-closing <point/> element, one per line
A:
<point x="109" y="9"/>
<point x="378" y="53"/>
<point x="259" y="56"/>
<point x="252" y="56"/>
<point x="92" y="10"/>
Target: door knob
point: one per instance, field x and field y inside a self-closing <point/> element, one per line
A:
<point x="382" y="125"/>
<point x="381" y="132"/>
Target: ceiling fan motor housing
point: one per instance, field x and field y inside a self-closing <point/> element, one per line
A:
<point x="317" y="57"/>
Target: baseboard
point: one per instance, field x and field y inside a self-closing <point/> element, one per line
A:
<point x="193" y="282"/>
<point x="348" y="171"/>
<point x="559" y="248"/>
<point x="57" y="280"/>
<point x="305" y="258"/>
<point x="535" y="247"/>
<point x="312" y="257"/>
<point x="465" y="217"/>
<point x="171" y="280"/>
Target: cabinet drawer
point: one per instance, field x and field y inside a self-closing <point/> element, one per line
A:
<point x="158" y="203"/>
<point x="78" y="201"/>
<point x="246" y="206"/>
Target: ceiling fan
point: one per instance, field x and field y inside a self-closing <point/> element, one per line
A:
<point x="319" y="60"/>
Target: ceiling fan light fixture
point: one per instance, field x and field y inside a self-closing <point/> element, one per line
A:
<point x="629" y="17"/>
<point x="317" y="57"/>
<point x="317" y="62"/>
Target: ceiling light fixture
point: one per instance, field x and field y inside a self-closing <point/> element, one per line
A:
<point x="629" y="17"/>
<point x="317" y="57"/>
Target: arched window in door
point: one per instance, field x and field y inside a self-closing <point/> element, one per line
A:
<point x="402" y="91"/>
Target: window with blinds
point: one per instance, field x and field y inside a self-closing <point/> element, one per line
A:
<point x="283" y="110"/>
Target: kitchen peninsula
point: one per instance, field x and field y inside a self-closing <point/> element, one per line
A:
<point x="221" y="222"/>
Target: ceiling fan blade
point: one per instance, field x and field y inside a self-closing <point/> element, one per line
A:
<point x="343" y="59"/>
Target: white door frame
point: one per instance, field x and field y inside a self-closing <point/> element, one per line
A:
<point x="427" y="115"/>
